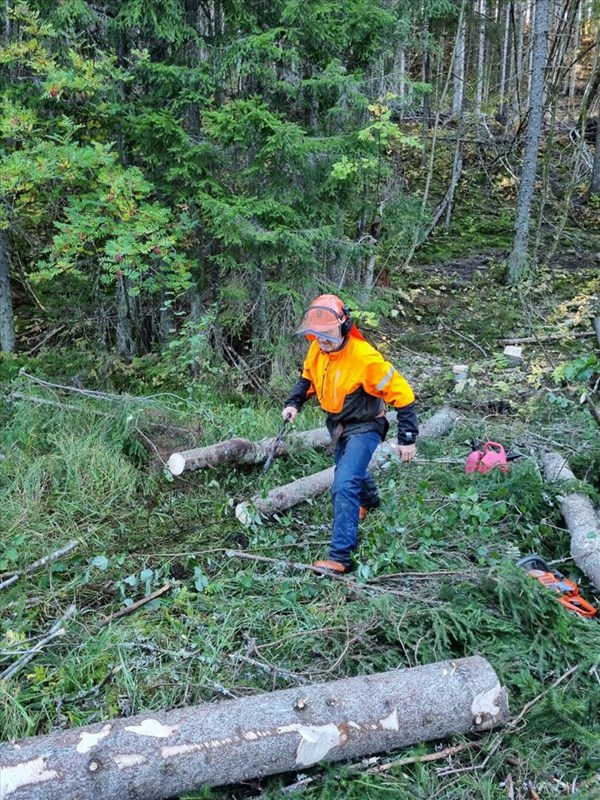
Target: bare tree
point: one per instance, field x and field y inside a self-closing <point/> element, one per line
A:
<point x="517" y="262"/>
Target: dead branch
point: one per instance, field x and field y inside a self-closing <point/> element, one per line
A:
<point x="40" y="563"/>
<point x="134" y="606"/>
<point x="547" y="338"/>
<point x="56" y="630"/>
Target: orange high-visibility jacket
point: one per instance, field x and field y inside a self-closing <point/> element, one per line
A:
<point x="353" y="384"/>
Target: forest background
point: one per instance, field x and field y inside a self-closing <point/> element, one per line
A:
<point x="178" y="180"/>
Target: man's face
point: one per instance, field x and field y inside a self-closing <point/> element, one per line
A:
<point x="327" y="346"/>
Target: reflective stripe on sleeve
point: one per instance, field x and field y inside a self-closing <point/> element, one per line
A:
<point x="385" y="380"/>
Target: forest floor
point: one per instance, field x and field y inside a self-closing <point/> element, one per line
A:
<point x="89" y="469"/>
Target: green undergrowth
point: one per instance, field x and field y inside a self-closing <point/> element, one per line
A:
<point x="436" y="572"/>
<point x="436" y="578"/>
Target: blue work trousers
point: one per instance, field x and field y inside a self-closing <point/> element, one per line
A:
<point x="352" y="487"/>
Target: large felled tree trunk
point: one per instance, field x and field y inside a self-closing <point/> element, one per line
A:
<point x="284" y="497"/>
<point x="581" y="518"/>
<point x="155" y="756"/>
<point x="243" y="451"/>
<point x="7" y="323"/>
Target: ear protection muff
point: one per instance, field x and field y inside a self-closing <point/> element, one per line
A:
<point x="346" y="324"/>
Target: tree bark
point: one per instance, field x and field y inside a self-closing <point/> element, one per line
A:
<point x="297" y="491"/>
<point x="595" y="182"/>
<point x="581" y="517"/>
<point x="126" y="320"/>
<point x="517" y="262"/>
<point x="160" y="755"/>
<point x="7" y="321"/>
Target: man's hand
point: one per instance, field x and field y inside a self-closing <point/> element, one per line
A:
<point x="289" y="413"/>
<point x="406" y="452"/>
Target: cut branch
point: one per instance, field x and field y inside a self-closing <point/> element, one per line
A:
<point x="134" y="606"/>
<point x="160" y="755"/>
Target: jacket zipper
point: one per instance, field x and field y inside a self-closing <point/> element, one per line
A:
<point x="323" y="380"/>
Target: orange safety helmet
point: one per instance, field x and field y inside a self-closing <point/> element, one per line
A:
<point x="326" y="318"/>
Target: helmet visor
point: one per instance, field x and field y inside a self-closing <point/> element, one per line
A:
<point x="321" y="322"/>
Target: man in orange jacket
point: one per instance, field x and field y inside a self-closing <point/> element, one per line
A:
<point x="352" y="382"/>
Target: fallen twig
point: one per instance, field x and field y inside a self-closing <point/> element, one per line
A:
<point x="43" y="341"/>
<point x="41" y="562"/>
<point x="55" y="631"/>
<point x="318" y="571"/>
<point x="271" y="669"/>
<point x="466" y="338"/>
<point x="448" y="752"/>
<point x="548" y="337"/>
<point x="54" y="403"/>
<point x="152" y="445"/>
<point x="134" y="606"/>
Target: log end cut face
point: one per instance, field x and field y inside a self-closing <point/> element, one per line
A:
<point x="176" y="464"/>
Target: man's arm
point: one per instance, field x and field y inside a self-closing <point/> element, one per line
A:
<point x="297" y="398"/>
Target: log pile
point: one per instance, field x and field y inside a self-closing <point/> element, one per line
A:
<point x="159" y="755"/>
<point x="284" y="497"/>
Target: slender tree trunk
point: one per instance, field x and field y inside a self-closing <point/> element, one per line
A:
<point x="126" y="322"/>
<point x="459" y="66"/>
<point x="400" y="76"/>
<point x="480" y="58"/>
<point x="519" y="71"/>
<point x="517" y="263"/>
<point x="595" y="183"/>
<point x="7" y="321"/>
<point x="456" y="171"/>
<point x="6" y="20"/>
<point x="426" y="95"/>
<point x="505" y="60"/>
<point x="574" y="53"/>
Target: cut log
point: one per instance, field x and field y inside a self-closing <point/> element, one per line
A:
<point x="582" y="519"/>
<point x="159" y="755"/>
<point x="243" y="451"/>
<point x="284" y="497"/>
